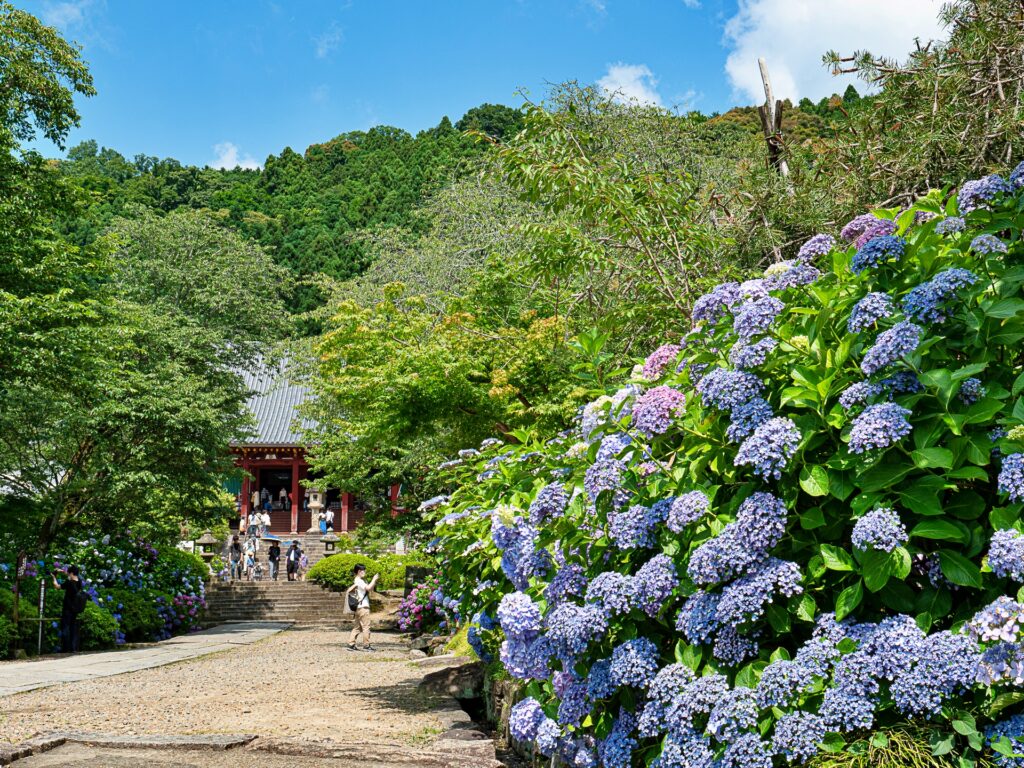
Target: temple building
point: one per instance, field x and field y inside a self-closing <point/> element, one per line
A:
<point x="274" y="460"/>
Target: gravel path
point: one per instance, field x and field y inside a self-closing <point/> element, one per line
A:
<point x="299" y="684"/>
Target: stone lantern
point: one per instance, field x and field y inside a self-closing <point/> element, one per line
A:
<point x="207" y="546"/>
<point x="316" y="505"/>
<point x="329" y="540"/>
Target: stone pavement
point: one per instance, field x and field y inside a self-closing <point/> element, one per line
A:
<point x="21" y="676"/>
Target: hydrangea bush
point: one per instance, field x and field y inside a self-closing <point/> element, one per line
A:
<point x="796" y="525"/>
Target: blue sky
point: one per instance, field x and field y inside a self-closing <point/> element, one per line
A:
<point x="231" y="81"/>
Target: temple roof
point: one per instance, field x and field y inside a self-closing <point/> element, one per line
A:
<point x="274" y="402"/>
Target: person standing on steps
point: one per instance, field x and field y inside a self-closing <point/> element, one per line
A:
<point x="292" y="559"/>
<point x="358" y="596"/>
<point x="235" y="557"/>
<point x="74" y="604"/>
<point x="274" y="558"/>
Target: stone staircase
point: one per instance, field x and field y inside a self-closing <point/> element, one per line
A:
<point x="300" y="602"/>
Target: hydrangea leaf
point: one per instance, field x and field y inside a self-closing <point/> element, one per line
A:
<point x="958" y="569"/>
<point x="938" y="528"/>
<point x="1003" y="309"/>
<point x="933" y="458"/>
<point x="849" y="599"/>
<point x="836" y="558"/>
<point x="814" y="480"/>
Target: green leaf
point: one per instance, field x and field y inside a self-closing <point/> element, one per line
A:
<point x="806" y="608"/>
<point x="836" y="558"/>
<point x="814" y="480"/>
<point x="883" y="476"/>
<point x="848" y="600"/>
<point x="690" y="655"/>
<point x="778" y="618"/>
<point x="1004" y="308"/>
<point x="812" y="518"/>
<point x="968" y="370"/>
<point x="942" y="529"/>
<point x="927" y="458"/>
<point x="876" y="567"/>
<point x="1004" y="700"/>
<point x="879" y="740"/>
<point x="958" y="569"/>
<point x="1003" y="517"/>
<point x="923" y="497"/>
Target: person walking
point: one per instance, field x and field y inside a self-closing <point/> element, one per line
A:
<point x="283" y="496"/>
<point x="292" y="559"/>
<point x="250" y="563"/>
<point x="235" y="557"/>
<point x="274" y="558"/>
<point x="360" y="603"/>
<point x="329" y="518"/>
<point x="71" y="609"/>
<point x="264" y="524"/>
<point x="303" y="566"/>
<point x="322" y="517"/>
<point x="254" y="501"/>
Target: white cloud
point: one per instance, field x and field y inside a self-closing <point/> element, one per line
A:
<point x="65" y="15"/>
<point x="328" y="41"/>
<point x="229" y="156"/>
<point x="628" y="83"/>
<point x="792" y="36"/>
<point x="691" y="3"/>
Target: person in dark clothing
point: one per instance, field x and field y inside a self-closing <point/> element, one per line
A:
<point x="292" y="559"/>
<point x="70" y="610"/>
<point x="235" y="558"/>
<point x="274" y="558"/>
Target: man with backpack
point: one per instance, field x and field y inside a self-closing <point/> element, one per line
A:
<point x="358" y="596"/>
<point x="74" y="603"/>
<point x="292" y="560"/>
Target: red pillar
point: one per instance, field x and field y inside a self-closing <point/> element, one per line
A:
<point x="393" y="492"/>
<point x="295" y="492"/>
<point x="346" y="505"/>
<point x="246" y="487"/>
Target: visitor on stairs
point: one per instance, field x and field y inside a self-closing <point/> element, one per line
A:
<point x="255" y="501"/>
<point x="274" y="558"/>
<point x="250" y="564"/>
<point x="284" y="498"/>
<point x="264" y="524"/>
<point x="292" y="560"/>
<point x="235" y="557"/>
<point x="358" y="597"/>
<point x="329" y="514"/>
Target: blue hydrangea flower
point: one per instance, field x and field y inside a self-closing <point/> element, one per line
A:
<point x="770" y="448"/>
<point x="999" y="621"/>
<point x="869" y="310"/>
<point x="616" y="750"/>
<point x="573" y="704"/>
<point x="816" y="247"/>
<point x="761" y="521"/>
<point x="1006" y="554"/>
<point x="790" y="274"/>
<point x="634" y="663"/>
<point x="696" y="700"/>
<point x="1013" y="729"/>
<point x="613" y="591"/>
<point x="756" y="317"/>
<point x="605" y="475"/>
<point x="698" y="618"/>
<point x="733" y="714"/>
<point x="612" y="445"/>
<point x="1017" y="176"/>
<point x="519" y="616"/>
<point x="635" y="527"/>
<point x="550" y="502"/>
<point x="926" y="302"/>
<point x="686" y="510"/>
<point x="1011" y="477"/>
<point x="859" y="392"/>
<point x="527" y="659"/>
<point x="747" y="751"/>
<point x="732" y="648"/>
<point x="655" y="409"/>
<point x="746" y="356"/>
<point x="711" y="307"/>
<point x="569" y="581"/>
<point x="654" y="583"/>
<point x="879" y="426"/>
<point x="524" y="719"/>
<point x="744" y="600"/>
<point x="571" y="628"/>
<point x="977" y="193"/>
<point x="878" y="228"/>
<point x="747" y="417"/>
<point x="876" y="252"/>
<point x="548" y="734"/>
<point x="798" y="736"/>
<point x="844" y="710"/>
<point x="782" y="682"/>
<point x="665" y="688"/>
<point x="726" y="390"/>
<point x="902" y="383"/>
<point x="943" y="665"/>
<point x="891" y="346"/>
<point x="879" y="529"/>
<point x="988" y="244"/>
<point x="971" y="391"/>
<point x="689" y="751"/>
<point x="951" y="225"/>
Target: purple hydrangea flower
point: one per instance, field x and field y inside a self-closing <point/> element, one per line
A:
<point x="667" y="685"/>
<point x="550" y="502"/>
<point x="876" y="252"/>
<point x="655" y="409"/>
<point x="789" y="274"/>
<point x="524" y="719"/>
<point x="999" y="621"/>
<point x="782" y="682"/>
<point x="747" y="417"/>
<point x="902" y="383"/>
<point x="745" y="356"/>
<point x="925" y="303"/>
<point x="659" y="360"/>
<point x="603" y="476"/>
<point x="869" y="310"/>
<point x="634" y="663"/>
<point x="879" y="529"/>
<point x="747" y="751"/>
<point x="519" y="616"/>
<point x="798" y="736"/>
<point x="711" y="307"/>
<point x="971" y="391"/>
<point x="613" y="591"/>
<point x="879" y="426"/>
<point x="1006" y="554"/>
<point x="1011" y="477"/>
<point x="634" y="527"/>
<point x="858" y="393"/>
<point x="816" y="247"/>
<point x="977" y="193"/>
<point x="756" y="317"/>
<point x="770" y="448"/>
<point x="988" y="244"/>
<point x="879" y="228"/>
<point x="734" y="713"/>
<point x="951" y="225"/>
<point x="654" y="583"/>
<point x="686" y="510"/>
<point x="726" y="390"/>
<point x="891" y="346"/>
<point x="856" y="226"/>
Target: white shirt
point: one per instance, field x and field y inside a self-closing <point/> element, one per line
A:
<point x="330" y="515"/>
<point x="362" y="592"/>
<point x="266" y="519"/>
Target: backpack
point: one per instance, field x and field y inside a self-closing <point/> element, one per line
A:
<point x="81" y="600"/>
<point x="353" y="600"/>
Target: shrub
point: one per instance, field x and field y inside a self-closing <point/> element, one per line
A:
<point x="7" y="635"/>
<point x="421" y="610"/>
<point x="98" y="628"/>
<point x="796" y="526"/>
<point x="28" y="613"/>
<point x="392" y="568"/>
<point x="137" y="615"/>
<point x="335" y="572"/>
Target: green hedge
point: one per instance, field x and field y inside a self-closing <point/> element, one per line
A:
<point x="98" y="629"/>
<point x="335" y="572"/>
<point x="139" y="618"/>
